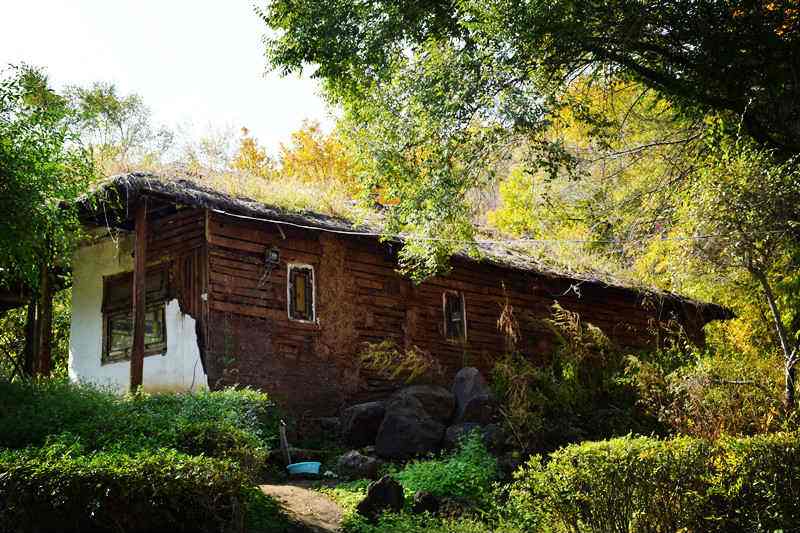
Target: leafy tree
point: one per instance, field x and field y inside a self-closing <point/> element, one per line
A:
<point x="745" y="209"/>
<point x="716" y="56"/>
<point x="250" y="158"/>
<point x="118" y="129"/>
<point x="442" y="96"/>
<point x="440" y="93"/>
<point x="312" y="156"/>
<point x="41" y="164"/>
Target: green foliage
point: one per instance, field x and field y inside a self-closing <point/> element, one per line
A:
<point x="231" y="424"/>
<point x="580" y="393"/>
<point x="411" y="365"/>
<point x="643" y="484"/>
<point x="12" y="337"/>
<point x="410" y="523"/>
<point x="467" y="474"/>
<point x="117" y="128"/>
<point x="755" y="483"/>
<point x="712" y="394"/>
<point x="441" y="95"/>
<point x="41" y="164"/>
<point x="62" y="488"/>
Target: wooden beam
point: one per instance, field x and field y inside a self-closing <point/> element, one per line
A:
<point x="30" y="338"/>
<point x="45" y="323"/>
<point x="139" y="295"/>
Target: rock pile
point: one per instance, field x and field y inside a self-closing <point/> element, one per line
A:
<point x="423" y="418"/>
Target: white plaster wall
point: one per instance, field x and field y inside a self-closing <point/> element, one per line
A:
<point x="179" y="369"/>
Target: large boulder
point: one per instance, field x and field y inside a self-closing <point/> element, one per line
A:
<point x="360" y="423"/>
<point x="355" y="465"/>
<point x="407" y="429"/>
<point x="386" y="494"/>
<point x="438" y="402"/>
<point x="424" y="502"/>
<point x="474" y="400"/>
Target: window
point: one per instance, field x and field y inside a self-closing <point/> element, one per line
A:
<point x="118" y="315"/>
<point x="455" y="318"/>
<point x="301" y="293"/>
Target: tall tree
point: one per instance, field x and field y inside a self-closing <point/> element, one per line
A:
<point x="42" y="164"/>
<point x="440" y="94"/>
<point x="313" y="156"/>
<point x="735" y="56"/>
<point x="118" y="129"/>
<point x="42" y="168"/>
<point x="250" y="158"/>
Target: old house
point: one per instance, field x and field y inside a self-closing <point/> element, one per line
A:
<point x="202" y="289"/>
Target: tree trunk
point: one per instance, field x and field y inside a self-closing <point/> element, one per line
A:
<point x="139" y="293"/>
<point x="30" y="338"/>
<point x="44" y="323"/>
<point x="789" y="352"/>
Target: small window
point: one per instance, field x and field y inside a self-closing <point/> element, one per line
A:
<point x="301" y="293"/>
<point x="118" y="315"/>
<point x="455" y="319"/>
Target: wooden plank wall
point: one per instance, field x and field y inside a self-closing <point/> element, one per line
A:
<point x="251" y="338"/>
<point x="361" y="299"/>
<point x="179" y="239"/>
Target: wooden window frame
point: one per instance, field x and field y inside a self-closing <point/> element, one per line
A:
<point x="109" y="312"/>
<point x="289" y="286"/>
<point x="447" y="330"/>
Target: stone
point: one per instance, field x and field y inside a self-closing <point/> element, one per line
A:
<point x="407" y="430"/>
<point x="454" y="433"/>
<point x="454" y="507"/>
<point x="438" y="402"/>
<point x="479" y="409"/>
<point x="360" y="423"/>
<point x="355" y="465"/>
<point x="424" y="502"/>
<point x="494" y="437"/>
<point x="474" y="400"/>
<point x="386" y="494"/>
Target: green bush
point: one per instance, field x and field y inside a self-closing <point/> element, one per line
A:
<point x="644" y="484"/>
<point x="238" y="424"/>
<point x="61" y="488"/>
<point x="467" y="474"/>
<point x="756" y="484"/>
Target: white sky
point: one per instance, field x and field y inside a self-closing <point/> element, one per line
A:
<point x="194" y="62"/>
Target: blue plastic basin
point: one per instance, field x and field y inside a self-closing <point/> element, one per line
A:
<point x="304" y="468"/>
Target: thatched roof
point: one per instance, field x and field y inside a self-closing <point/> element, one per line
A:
<point x="123" y="190"/>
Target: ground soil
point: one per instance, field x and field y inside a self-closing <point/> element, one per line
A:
<point x="311" y="511"/>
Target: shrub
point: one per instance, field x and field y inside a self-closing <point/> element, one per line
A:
<point x="756" y="485"/>
<point x="716" y="393"/>
<point x="59" y="488"/>
<point x="580" y="393"/>
<point x="467" y="474"/>
<point x="645" y="484"/>
<point x="227" y="424"/>
<point x="412" y="365"/>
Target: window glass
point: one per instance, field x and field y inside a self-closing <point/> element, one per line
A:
<point x="118" y="315"/>
<point x="454" y="317"/>
<point x="301" y="293"/>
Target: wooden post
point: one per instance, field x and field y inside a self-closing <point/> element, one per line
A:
<point x="30" y="338"/>
<point x="139" y="292"/>
<point x="45" y="323"/>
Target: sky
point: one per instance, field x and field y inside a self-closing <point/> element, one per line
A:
<point x="197" y="64"/>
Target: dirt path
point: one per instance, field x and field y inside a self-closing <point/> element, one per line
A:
<point x="312" y="511"/>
